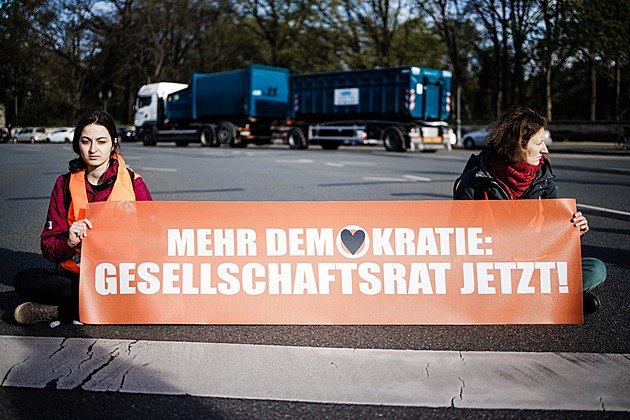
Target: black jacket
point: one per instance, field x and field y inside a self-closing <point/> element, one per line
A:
<point x="476" y="181"/>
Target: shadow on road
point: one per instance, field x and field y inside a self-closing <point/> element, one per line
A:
<point x="35" y="377"/>
<point x="613" y="256"/>
<point x="12" y="262"/>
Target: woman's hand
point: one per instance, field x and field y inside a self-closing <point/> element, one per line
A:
<point x="580" y="221"/>
<point x="78" y="231"/>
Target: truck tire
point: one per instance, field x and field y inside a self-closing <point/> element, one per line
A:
<point x="296" y="139"/>
<point x="148" y="138"/>
<point x="226" y="133"/>
<point x="393" y="139"/>
<point x="207" y="138"/>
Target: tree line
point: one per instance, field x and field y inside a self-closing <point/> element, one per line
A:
<point x="568" y="59"/>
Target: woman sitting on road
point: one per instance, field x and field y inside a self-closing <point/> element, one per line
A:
<point x="514" y="166"/>
<point x="98" y="173"/>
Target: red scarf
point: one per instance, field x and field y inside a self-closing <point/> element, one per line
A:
<point x="516" y="177"/>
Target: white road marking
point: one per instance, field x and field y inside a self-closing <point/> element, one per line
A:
<point x="383" y="179"/>
<point x="605" y="210"/>
<point x="490" y="380"/>
<point x="405" y="178"/>
<point x="348" y="163"/>
<point x="153" y="169"/>
<point x="417" y="178"/>
<point x="294" y="161"/>
<point x="334" y="164"/>
<point x="219" y="153"/>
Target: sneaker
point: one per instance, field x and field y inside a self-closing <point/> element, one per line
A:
<point x="34" y="313"/>
<point x="591" y="303"/>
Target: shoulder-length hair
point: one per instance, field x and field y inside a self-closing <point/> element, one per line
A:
<point x="509" y="136"/>
<point x="93" y="116"/>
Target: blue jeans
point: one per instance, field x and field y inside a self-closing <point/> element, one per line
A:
<point x="593" y="273"/>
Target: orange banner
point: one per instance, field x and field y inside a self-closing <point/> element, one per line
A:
<point x="401" y="262"/>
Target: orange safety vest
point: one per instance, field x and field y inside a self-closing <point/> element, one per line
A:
<point x="122" y="190"/>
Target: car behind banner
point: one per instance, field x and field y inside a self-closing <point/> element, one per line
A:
<point x="394" y="262"/>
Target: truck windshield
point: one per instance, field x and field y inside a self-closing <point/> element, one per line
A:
<point x="144" y="101"/>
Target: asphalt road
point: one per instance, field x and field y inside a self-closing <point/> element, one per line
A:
<point x="595" y="174"/>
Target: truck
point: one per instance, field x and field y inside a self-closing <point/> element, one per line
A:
<point x="405" y="108"/>
<point x="235" y="108"/>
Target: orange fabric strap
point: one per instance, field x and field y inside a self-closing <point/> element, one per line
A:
<point x="122" y="190"/>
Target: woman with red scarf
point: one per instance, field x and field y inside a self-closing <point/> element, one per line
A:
<point x="98" y="173"/>
<point x="514" y="166"/>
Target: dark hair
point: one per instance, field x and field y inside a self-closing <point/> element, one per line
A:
<point x="509" y="136"/>
<point x="93" y="116"/>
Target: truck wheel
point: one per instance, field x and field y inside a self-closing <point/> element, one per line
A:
<point x="207" y="138"/>
<point x="148" y="139"/>
<point x="393" y="139"/>
<point x="226" y="133"/>
<point x="296" y="139"/>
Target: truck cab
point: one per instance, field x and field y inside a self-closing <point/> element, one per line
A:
<point x="149" y="107"/>
<point x="231" y="108"/>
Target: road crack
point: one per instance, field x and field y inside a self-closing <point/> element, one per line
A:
<point x="89" y="353"/>
<point x="461" y="393"/>
<point x="11" y="369"/>
<point x="62" y="346"/>
<point x="112" y="356"/>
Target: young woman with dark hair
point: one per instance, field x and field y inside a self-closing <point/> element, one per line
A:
<point x="514" y="166"/>
<point x="98" y="173"/>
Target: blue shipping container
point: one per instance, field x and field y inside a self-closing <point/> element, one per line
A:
<point x="255" y="91"/>
<point x="400" y="93"/>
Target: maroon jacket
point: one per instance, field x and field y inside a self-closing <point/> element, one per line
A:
<point x="54" y="241"/>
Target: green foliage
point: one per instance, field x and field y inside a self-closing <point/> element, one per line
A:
<point x="57" y="56"/>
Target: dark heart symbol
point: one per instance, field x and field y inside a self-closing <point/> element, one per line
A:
<point x="352" y="241"/>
